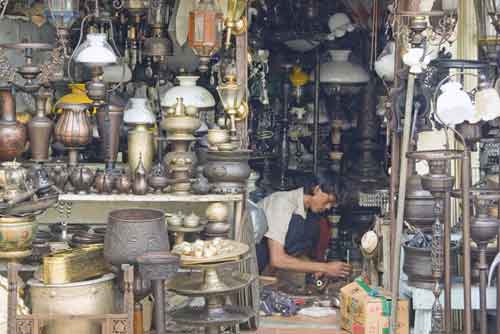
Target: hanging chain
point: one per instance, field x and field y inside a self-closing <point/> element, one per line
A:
<point x="437" y="261"/>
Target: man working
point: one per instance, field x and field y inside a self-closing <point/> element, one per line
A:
<point x="292" y="218"/>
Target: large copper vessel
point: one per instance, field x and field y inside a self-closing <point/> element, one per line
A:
<point x="133" y="232"/>
<point x="12" y="134"/>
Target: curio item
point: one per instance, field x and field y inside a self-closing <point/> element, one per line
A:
<point x="124" y="183"/>
<point x="13" y="135"/>
<point x="40" y="129"/>
<point x="140" y="185"/>
<point x="82" y="179"/>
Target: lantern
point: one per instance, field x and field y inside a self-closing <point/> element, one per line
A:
<point x="205" y="32"/>
<point x="233" y="11"/>
<point x="231" y="94"/>
<point x="62" y="14"/>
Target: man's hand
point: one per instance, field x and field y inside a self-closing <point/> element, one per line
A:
<point x="338" y="269"/>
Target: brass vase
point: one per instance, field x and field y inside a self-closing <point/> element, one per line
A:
<point x="40" y="130"/>
<point x="12" y="133"/>
<point x="73" y="130"/>
<point x="140" y="185"/>
<point x="140" y="147"/>
<point x="109" y="123"/>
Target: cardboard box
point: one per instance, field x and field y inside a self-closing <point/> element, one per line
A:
<point x="365" y="310"/>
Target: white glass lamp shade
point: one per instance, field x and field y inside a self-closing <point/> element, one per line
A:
<point x="488" y="104"/>
<point x="454" y="106"/>
<point x="384" y="65"/>
<point x="138" y="111"/>
<point x="231" y="94"/>
<point x="340" y="24"/>
<point x="339" y="70"/>
<point x="95" y="51"/>
<point x="450" y="5"/>
<point x="62" y="13"/>
<point x="191" y="94"/>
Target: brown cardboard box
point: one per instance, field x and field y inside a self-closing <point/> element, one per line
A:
<point x="364" y="310"/>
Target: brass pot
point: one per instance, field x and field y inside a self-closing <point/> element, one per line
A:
<point x="140" y="144"/>
<point x="104" y="183"/>
<point x="82" y="298"/>
<point x="227" y="171"/>
<point x="13" y="134"/>
<point x="217" y="136"/>
<point x="180" y="127"/>
<point x="217" y="212"/>
<point x="140" y="184"/>
<point x="16" y="236"/>
<point x="59" y="176"/>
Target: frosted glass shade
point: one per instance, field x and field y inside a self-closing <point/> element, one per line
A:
<point x="488" y="104"/>
<point x="454" y="106"/>
<point x="191" y="94"/>
<point x="339" y="70"/>
<point x="138" y="111"/>
<point x="95" y="51"/>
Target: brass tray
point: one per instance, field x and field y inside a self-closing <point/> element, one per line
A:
<point x="74" y="265"/>
<point x="239" y="249"/>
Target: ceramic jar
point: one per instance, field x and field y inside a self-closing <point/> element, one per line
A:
<point x="133" y="232"/>
<point x="17" y="234"/>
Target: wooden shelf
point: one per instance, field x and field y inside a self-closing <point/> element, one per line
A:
<point x="150" y="198"/>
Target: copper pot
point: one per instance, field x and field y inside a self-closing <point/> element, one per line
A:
<point x="40" y="130"/>
<point x="82" y="179"/>
<point x="104" y="183"/>
<point x="59" y="176"/>
<point x="12" y="134"/>
<point x="124" y="184"/>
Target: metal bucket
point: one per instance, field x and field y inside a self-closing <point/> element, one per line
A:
<point x="81" y="298"/>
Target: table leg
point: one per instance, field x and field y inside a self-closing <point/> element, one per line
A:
<point x="238" y="220"/>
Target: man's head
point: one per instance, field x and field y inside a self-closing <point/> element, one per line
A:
<point x="321" y="196"/>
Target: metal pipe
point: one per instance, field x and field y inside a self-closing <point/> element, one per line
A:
<point x="483" y="282"/>
<point x="158" y="287"/>
<point x="447" y="264"/>
<point x="466" y="177"/>
<point x="316" y="113"/>
<point x="285" y="154"/>
<point x="498" y="282"/>
<point x="401" y="200"/>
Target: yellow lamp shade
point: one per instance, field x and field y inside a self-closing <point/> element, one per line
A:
<point x="77" y="97"/>
<point x="298" y="78"/>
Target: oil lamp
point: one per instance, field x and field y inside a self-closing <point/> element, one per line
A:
<point x="205" y="32"/>
<point x="488" y="16"/>
<point x="158" y="45"/>
<point x="62" y="14"/>
<point x="231" y="95"/>
<point x="234" y="22"/>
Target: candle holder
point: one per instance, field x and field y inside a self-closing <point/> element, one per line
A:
<point x="440" y="183"/>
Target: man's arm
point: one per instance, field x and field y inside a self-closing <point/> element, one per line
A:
<point x="280" y="259"/>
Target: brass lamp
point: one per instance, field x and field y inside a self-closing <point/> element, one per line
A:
<point x="205" y="32"/>
<point x="234" y="22"/>
<point x="231" y="94"/>
<point x="488" y="17"/>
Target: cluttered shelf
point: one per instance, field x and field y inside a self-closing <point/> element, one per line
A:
<point x="150" y="198"/>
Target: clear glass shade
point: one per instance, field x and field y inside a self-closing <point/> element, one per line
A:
<point x="62" y="13"/>
<point x="158" y="13"/>
<point x="231" y="94"/>
<point x="95" y="51"/>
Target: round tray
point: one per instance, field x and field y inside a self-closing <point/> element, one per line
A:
<point x="239" y="249"/>
<point x="192" y="284"/>
<point x="199" y="316"/>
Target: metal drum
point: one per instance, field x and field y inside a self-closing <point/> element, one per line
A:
<point x="81" y="298"/>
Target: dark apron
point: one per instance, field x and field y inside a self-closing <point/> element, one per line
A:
<point x="301" y="239"/>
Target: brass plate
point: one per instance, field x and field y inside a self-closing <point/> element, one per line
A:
<point x="239" y="249"/>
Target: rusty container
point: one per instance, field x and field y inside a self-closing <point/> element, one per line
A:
<point x="13" y="135"/>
